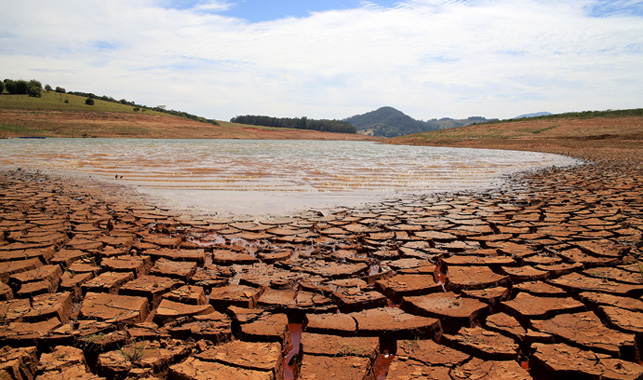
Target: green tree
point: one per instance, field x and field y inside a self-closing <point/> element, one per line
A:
<point x="34" y="92"/>
<point x="60" y="90"/>
<point x="89" y="101"/>
<point x="48" y="88"/>
<point x="10" y="85"/>
<point x="1" y="86"/>
<point x="22" y="87"/>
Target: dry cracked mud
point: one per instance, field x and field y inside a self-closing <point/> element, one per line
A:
<point x="538" y="279"/>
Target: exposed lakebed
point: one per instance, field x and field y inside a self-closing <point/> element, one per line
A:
<point x="272" y="177"/>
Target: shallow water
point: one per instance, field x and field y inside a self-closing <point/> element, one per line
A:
<point x="271" y="177"/>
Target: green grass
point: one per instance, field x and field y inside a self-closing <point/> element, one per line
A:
<point x="66" y="102"/>
<point x="22" y="131"/>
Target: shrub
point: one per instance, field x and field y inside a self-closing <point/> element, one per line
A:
<point x="34" y="92"/>
<point x="34" y="83"/>
<point x="22" y="87"/>
<point x="136" y="109"/>
<point x="10" y="85"/>
<point x="60" y="90"/>
<point x="89" y="101"/>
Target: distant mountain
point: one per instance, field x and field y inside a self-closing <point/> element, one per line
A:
<point x="389" y="122"/>
<point x="536" y="114"/>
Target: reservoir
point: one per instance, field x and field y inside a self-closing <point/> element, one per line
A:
<point x="259" y="177"/>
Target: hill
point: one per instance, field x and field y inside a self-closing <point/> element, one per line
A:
<point x="580" y="135"/>
<point x="535" y="114"/>
<point x="389" y="122"/>
<point x="67" y="115"/>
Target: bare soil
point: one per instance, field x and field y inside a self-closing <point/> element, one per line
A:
<point x="51" y="123"/>
<point x="540" y="279"/>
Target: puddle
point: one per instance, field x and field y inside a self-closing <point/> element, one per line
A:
<point x="290" y="369"/>
<point x="381" y="371"/>
<point x="440" y="275"/>
<point x="261" y="177"/>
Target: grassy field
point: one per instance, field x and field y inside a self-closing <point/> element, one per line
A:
<point x="66" y="115"/>
<point x="65" y="102"/>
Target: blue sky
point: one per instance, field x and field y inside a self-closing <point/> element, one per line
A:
<point x="337" y="58"/>
<point x="258" y="10"/>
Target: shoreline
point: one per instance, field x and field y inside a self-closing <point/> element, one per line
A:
<point x="530" y="270"/>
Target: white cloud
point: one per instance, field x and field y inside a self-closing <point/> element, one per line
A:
<point x="427" y="58"/>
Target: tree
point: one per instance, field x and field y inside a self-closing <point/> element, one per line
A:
<point x="60" y="90"/>
<point x="35" y="83"/>
<point x="34" y="88"/>
<point x="89" y="101"/>
<point x="1" y="86"/>
<point x="34" y="92"/>
<point x="48" y="88"/>
<point x="22" y="87"/>
<point x="10" y="85"/>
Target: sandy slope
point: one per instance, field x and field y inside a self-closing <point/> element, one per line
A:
<point x="51" y="123"/>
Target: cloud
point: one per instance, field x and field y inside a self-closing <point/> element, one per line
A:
<point x="428" y="58"/>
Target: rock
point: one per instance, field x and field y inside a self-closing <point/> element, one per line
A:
<point x="269" y="328"/>
<point x="485" y="344"/>
<point x="151" y="287"/>
<point x="586" y="329"/>
<point x="414" y="370"/>
<point x="334" y="345"/>
<point x="625" y="320"/>
<point x="18" y="363"/>
<point x="180" y="270"/>
<point x="46" y="306"/>
<point x="475" y="277"/>
<point x="138" y="265"/>
<point x="402" y="285"/>
<point x="350" y="300"/>
<point x="560" y="361"/>
<point x="114" y="308"/>
<point x="234" y="295"/>
<point x="506" y="324"/>
<point x="339" y="368"/>
<point x="525" y="306"/>
<point x="169" y="310"/>
<point x="478" y="369"/>
<point x="452" y="310"/>
<point x="429" y="353"/>
<point x="577" y="282"/>
<point x="392" y="322"/>
<point x="108" y="282"/>
<point x="333" y="323"/>
<point x="596" y="299"/>
<point x="259" y="356"/>
<point x="48" y="273"/>
<point x="196" y="369"/>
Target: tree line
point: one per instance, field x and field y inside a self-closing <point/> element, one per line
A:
<point x="324" y="125"/>
<point x="22" y="87"/>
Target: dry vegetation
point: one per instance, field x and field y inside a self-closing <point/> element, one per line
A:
<point x="592" y="138"/>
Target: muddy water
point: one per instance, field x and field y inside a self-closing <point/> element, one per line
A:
<point x="270" y="177"/>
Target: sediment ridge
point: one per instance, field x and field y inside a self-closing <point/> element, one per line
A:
<point x="538" y="279"/>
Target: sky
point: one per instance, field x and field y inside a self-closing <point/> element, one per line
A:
<point x="333" y="59"/>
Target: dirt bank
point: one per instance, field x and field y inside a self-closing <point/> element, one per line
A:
<point x="51" y="123"/>
<point x="617" y="138"/>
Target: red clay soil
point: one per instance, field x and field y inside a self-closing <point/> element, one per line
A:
<point x="611" y="138"/>
<point x="91" y="124"/>
<point x="539" y="279"/>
